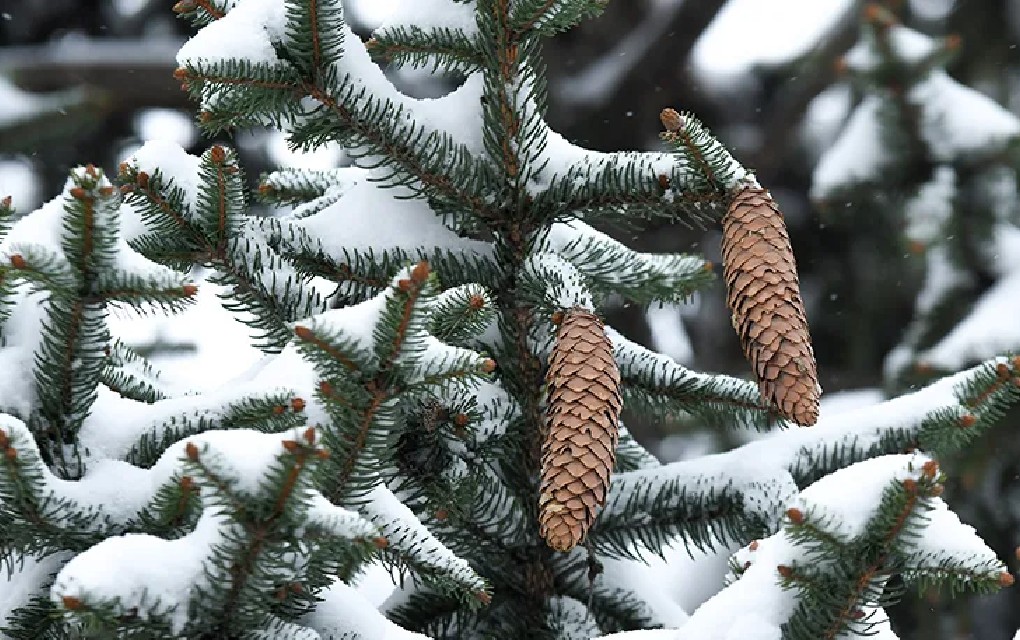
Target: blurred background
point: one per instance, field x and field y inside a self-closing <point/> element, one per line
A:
<point x="90" y="80"/>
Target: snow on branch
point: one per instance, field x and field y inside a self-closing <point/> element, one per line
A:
<point x="825" y="572"/>
<point x="615" y="268"/>
<point x="415" y="547"/>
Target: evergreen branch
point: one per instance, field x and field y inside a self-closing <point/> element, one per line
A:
<point x="645" y="510"/>
<point x="657" y="384"/>
<point x="711" y="168"/>
<point x="614" y="268"/>
<point x="266" y="519"/>
<point x="7" y="216"/>
<point x="129" y="374"/>
<point x="549" y="17"/>
<point x="33" y="518"/>
<point x="363" y="274"/>
<point x="270" y="413"/>
<point x="300" y="186"/>
<point x="42" y="268"/>
<point x="440" y="50"/>
<point x="417" y="548"/>
<point x="137" y="293"/>
<point x="200" y="12"/>
<point x="460" y="314"/>
<point x="626" y="188"/>
<point x="403" y="148"/>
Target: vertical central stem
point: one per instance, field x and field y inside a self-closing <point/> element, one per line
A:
<point x="515" y="232"/>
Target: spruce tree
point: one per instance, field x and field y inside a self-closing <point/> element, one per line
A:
<point x="934" y="164"/>
<point x="439" y="388"/>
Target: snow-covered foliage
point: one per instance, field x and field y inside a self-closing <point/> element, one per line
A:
<point x="406" y="307"/>
<point x="959" y="212"/>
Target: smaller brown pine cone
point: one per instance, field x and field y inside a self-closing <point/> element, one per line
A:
<point x="582" y="416"/>
<point x="763" y="294"/>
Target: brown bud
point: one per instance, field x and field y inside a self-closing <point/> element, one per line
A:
<point x="304" y="333"/>
<point x="106" y="192"/>
<point x="420" y="272"/>
<point x="910" y="485"/>
<point x="126" y="189"/>
<point x="184" y="6"/>
<point x="1001" y="370"/>
<point x="557" y="318"/>
<point x="217" y="154"/>
<point x="191" y="450"/>
<point x="78" y="193"/>
<point x="461" y="419"/>
<point x="404" y="285"/>
<point x="71" y="603"/>
<point x="484" y="597"/>
<point x="297" y="405"/>
<point x="795" y="515"/>
<point x="187" y="483"/>
<point x="290" y="445"/>
<point x="279" y="409"/>
<point x="663" y="181"/>
<point x="785" y="571"/>
<point x="180" y="74"/>
<point x="189" y="290"/>
<point x="753" y="546"/>
<point x="1005" y="579"/>
<point x="322" y="454"/>
<point x="142" y="179"/>
<point x="488" y="365"/>
<point x="967" y="420"/>
<point x="325" y="388"/>
<point x="930" y="469"/>
<point x="18" y="262"/>
<point x="266" y="189"/>
<point x="671" y="119"/>
<point x="309" y="435"/>
<point x="380" y="542"/>
<point x="11" y="454"/>
<point x="936" y="490"/>
<point x="442" y="514"/>
<point x="476" y="302"/>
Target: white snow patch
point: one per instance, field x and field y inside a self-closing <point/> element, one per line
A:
<point x="858" y="155"/>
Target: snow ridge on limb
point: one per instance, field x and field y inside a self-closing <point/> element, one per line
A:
<point x="64" y="266"/>
<point x="194" y="211"/>
<point x="867" y="522"/>
<point x="825" y="574"/>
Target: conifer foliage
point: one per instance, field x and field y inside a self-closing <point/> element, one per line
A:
<point x="934" y="162"/>
<point x="408" y="307"/>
